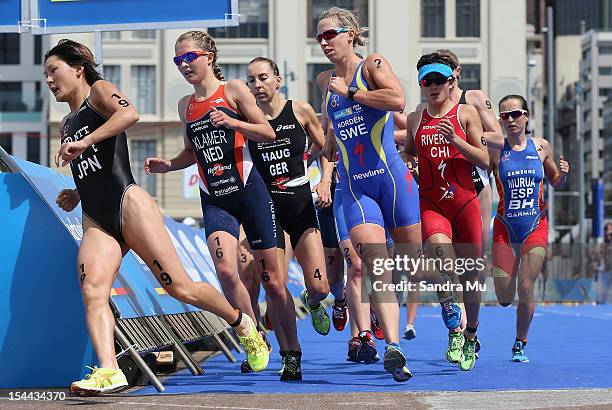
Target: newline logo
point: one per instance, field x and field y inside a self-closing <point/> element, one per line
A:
<point x="370" y="173"/>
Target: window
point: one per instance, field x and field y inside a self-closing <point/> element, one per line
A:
<point x="253" y="21"/>
<point x="233" y="71"/>
<point x="605" y="92"/>
<point x="470" y="76"/>
<point x="141" y="150"/>
<point x="143" y="88"/>
<point x="144" y="34"/>
<point x="6" y="142"/>
<point x="11" y="97"/>
<point x="9" y="48"/>
<point x="38" y="97"/>
<point x="112" y="73"/>
<point x="432" y="18"/>
<point x="314" y="93"/>
<point x="467" y="18"/>
<point x="605" y="70"/>
<point x="316" y="7"/>
<point x="33" y="154"/>
<point x="605" y="48"/>
<point x="38" y="50"/>
<point x="111" y="35"/>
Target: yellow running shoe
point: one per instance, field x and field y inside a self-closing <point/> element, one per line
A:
<point x="255" y="347"/>
<point x="100" y="380"/>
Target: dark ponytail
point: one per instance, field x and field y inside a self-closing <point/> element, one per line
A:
<point x="76" y="55"/>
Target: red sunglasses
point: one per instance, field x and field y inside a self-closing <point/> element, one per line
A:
<point x="331" y="33"/>
<point x="515" y="114"/>
<point x="188" y="57"/>
<point x="426" y="82"/>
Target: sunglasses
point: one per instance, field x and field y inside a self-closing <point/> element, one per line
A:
<point x="426" y="82"/>
<point x="515" y="114"/>
<point x="331" y="33"/>
<point x="188" y="57"/>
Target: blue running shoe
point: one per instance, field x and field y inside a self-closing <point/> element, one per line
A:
<point x="395" y="363"/>
<point x="451" y="314"/>
<point x="518" y="352"/>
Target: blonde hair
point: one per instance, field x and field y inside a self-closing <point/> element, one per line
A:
<point x="206" y="43"/>
<point x="348" y="19"/>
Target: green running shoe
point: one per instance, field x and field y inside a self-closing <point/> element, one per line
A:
<point x="454" y="352"/>
<point x="469" y="355"/>
<point x="319" y="317"/>
<point x="100" y="380"/>
<point x="255" y="347"/>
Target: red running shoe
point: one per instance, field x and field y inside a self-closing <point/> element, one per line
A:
<point x="339" y="315"/>
<point x="354" y="344"/>
<point x="367" y="348"/>
<point x="375" y="325"/>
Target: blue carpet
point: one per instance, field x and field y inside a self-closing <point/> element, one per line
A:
<point x="569" y="348"/>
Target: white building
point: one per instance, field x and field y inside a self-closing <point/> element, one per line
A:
<point x="489" y="36"/>
<point x="23" y="96"/>
<point x="597" y="57"/>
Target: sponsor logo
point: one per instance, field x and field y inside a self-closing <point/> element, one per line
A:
<point x="224" y="181"/>
<point x="370" y="173"/>
<point x="227" y="190"/>
<point x="448" y="192"/>
<point x="343" y="113"/>
<point x="532" y="157"/>
<point x="218" y="100"/>
<point x="218" y="169"/>
<point x="285" y="127"/>
<point x="335" y="98"/>
<point x="279" y="182"/>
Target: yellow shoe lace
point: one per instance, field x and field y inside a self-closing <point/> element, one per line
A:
<point x="93" y="371"/>
<point x="98" y="376"/>
<point x="251" y="345"/>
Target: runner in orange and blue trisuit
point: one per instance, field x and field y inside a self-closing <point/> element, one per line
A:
<point x="520" y="229"/>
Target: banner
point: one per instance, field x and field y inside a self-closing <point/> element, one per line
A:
<point x="10" y="15"/>
<point x="598" y="208"/>
<point x="74" y="16"/>
<point x="191" y="183"/>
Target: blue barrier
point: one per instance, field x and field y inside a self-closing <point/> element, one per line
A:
<point x="43" y="337"/>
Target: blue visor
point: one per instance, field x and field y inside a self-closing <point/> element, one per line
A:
<point x="441" y="69"/>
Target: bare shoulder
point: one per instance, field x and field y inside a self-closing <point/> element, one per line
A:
<point x="183" y="102"/>
<point x="541" y="143"/>
<point x="323" y="78"/>
<point x="61" y="124"/>
<point x="235" y="87"/>
<point x="478" y="99"/>
<point x="413" y="118"/>
<point x="468" y="111"/>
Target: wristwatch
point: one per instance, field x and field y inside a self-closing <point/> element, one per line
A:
<point x="351" y="92"/>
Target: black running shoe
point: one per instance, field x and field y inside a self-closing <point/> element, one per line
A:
<point x="245" y="367"/>
<point x="293" y="367"/>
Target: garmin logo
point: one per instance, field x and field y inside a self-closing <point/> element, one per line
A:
<point x="370" y="173"/>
